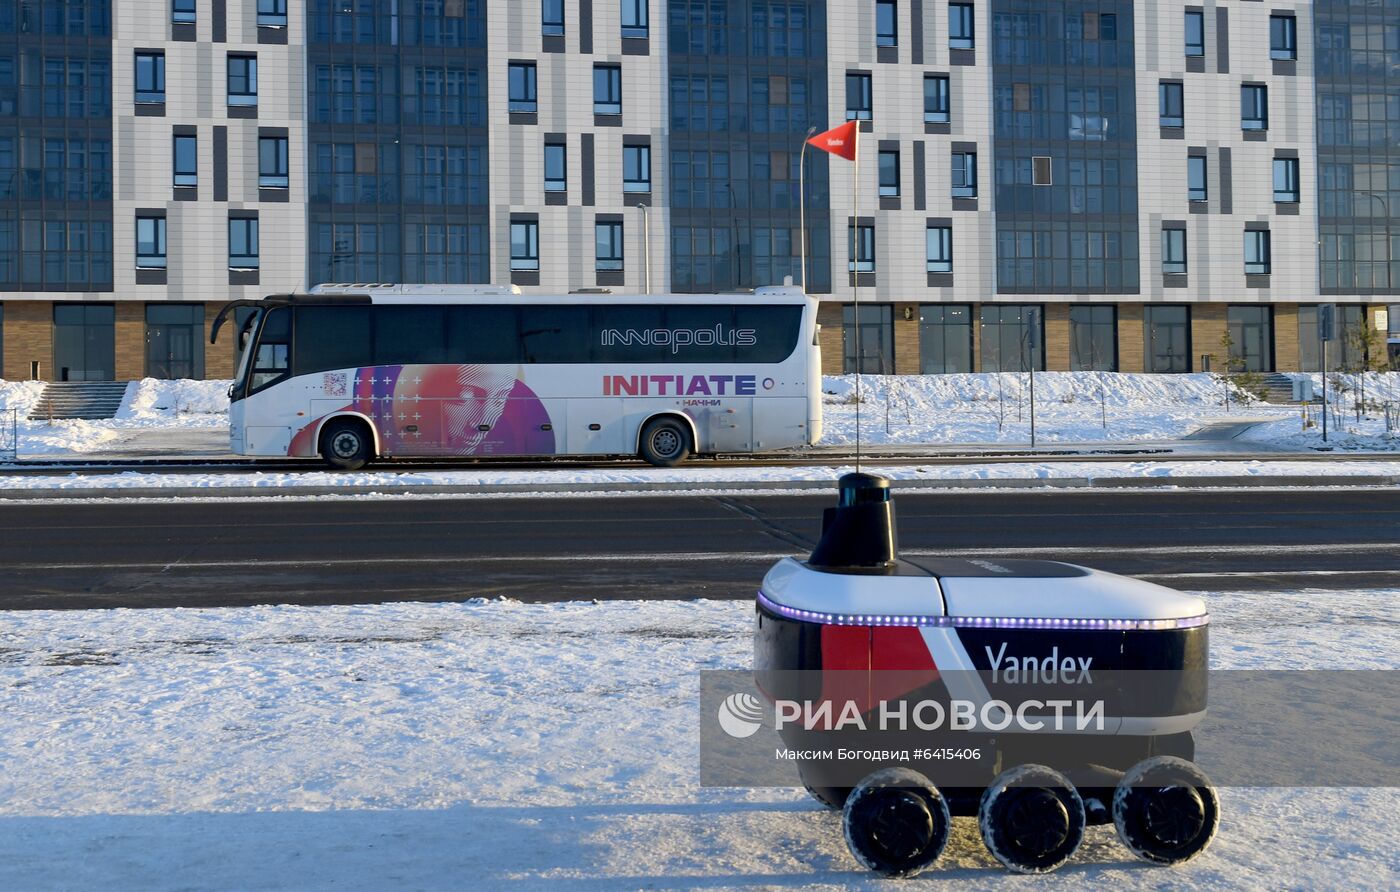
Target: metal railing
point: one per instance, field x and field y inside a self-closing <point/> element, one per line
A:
<point x="9" y="436"/>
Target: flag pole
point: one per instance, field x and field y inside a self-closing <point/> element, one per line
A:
<point x="802" y="203"/>
<point x="855" y="263"/>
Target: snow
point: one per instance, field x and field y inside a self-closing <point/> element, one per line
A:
<point x="1071" y="407"/>
<point x="475" y="745"/>
<point x="697" y="478"/>
<point x="1377" y="393"/>
<point x="150" y="404"/>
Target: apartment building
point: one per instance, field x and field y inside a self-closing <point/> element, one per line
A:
<point x="1099" y="184"/>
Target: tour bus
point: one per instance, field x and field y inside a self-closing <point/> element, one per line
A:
<point x="356" y="373"/>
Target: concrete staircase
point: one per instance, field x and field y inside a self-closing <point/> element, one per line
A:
<point x="79" y="399"/>
<point x="1280" y="388"/>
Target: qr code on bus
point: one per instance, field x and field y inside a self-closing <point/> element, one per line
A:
<point x="333" y="384"/>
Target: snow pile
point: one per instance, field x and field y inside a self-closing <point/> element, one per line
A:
<point x="1375" y="427"/>
<point x="484" y="744"/>
<point x="156" y="400"/>
<point x="20" y="397"/>
<point x="995" y="408"/>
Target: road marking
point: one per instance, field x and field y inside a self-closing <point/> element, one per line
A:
<point x="1249" y="573"/>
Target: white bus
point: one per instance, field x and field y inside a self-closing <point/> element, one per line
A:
<point x="356" y="373"/>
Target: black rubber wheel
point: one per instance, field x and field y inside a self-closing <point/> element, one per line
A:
<point x="1165" y="810"/>
<point x="833" y="798"/>
<point x="896" y="823"/>
<point x="1031" y="818"/>
<point x="346" y="445"/>
<point x="665" y="442"/>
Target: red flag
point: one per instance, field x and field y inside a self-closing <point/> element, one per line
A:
<point x="838" y="140"/>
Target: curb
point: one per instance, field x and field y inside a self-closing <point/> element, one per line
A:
<point x="631" y="488"/>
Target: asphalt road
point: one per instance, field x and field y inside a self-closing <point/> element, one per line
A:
<point x="187" y="553"/>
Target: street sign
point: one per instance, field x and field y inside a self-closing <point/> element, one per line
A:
<point x="1325" y="329"/>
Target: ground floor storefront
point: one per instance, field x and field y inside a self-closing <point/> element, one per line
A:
<point x="110" y="341"/>
<point x="912" y="338"/>
<point x="126" y="340"/>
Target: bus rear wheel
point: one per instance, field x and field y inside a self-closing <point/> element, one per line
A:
<point x="665" y="443"/>
<point x="346" y="444"/>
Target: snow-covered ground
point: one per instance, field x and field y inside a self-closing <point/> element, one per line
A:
<point x="1071" y="407"/>
<point x="149" y="404"/>
<point x="691" y="478"/>
<point x="487" y="744"/>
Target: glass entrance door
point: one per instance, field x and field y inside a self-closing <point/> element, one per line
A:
<point x="175" y="340"/>
<point x="84" y="342"/>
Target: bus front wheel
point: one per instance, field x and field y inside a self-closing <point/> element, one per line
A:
<point x="346" y="445"/>
<point x="665" y="442"/>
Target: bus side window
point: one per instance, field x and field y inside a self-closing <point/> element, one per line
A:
<point x="775" y="331"/>
<point x="409" y="335"/>
<point x="554" y="334"/>
<point x="332" y="337"/>
<point x="483" y="335"/>
<point x="271" y="361"/>
<point x="718" y="318"/>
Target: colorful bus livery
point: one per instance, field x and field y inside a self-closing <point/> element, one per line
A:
<point x="357" y="373"/>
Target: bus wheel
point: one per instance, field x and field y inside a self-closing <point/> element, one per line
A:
<point x="345" y="444"/>
<point x="665" y="443"/>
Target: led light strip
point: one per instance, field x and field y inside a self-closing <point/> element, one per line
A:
<point x="981" y="622"/>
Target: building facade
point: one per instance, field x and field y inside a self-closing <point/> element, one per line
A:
<point x="1098" y="184"/>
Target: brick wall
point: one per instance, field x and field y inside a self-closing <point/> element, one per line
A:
<point x="829" y="317"/>
<point x="28" y="336"/>
<point x="1131" y="339"/>
<point x="1286" y="338"/>
<point x="131" y="340"/>
<point x="1057" y="337"/>
<point x="1207" y="328"/>
<point x="906" y="339"/>
<point x="218" y="358"/>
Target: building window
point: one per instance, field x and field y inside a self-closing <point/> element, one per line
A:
<point x="607" y="90"/>
<point x="609" y="241"/>
<point x="964" y="174"/>
<point x="634" y="18"/>
<point x="1012" y="338"/>
<point x="938" y="246"/>
<point x="1170" y="104"/>
<point x="1042" y="170"/>
<point x="1254" y="107"/>
<point x="243" y="243"/>
<point x="1257" y="260"/>
<point x="182" y="11"/>
<point x="242" y="80"/>
<point x="1286" y="189"/>
<point x="1168" y="337"/>
<point x="889" y="173"/>
<point x="1174" y="251"/>
<point x="556" y="167"/>
<point x="860" y="248"/>
<point x="521" y="83"/>
<point x="868" y="348"/>
<point x="524" y="245"/>
<point x="636" y="168"/>
<point x="1093" y="339"/>
<point x="1343" y="353"/>
<point x="945" y="339"/>
<point x="1283" y="37"/>
<point x="1196" y="178"/>
<point x="150" y="77"/>
<point x="552" y="18"/>
<point x="150" y="243"/>
<point x="272" y="162"/>
<point x="960" y="33"/>
<point x="1251" y="331"/>
<point x="936" y="104"/>
<point x="185" y="157"/>
<point x="858" y="99"/>
<point x="1195" y="33"/>
<point x="175" y="340"/>
<point x="272" y="13"/>
<point x="885" y="31"/>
